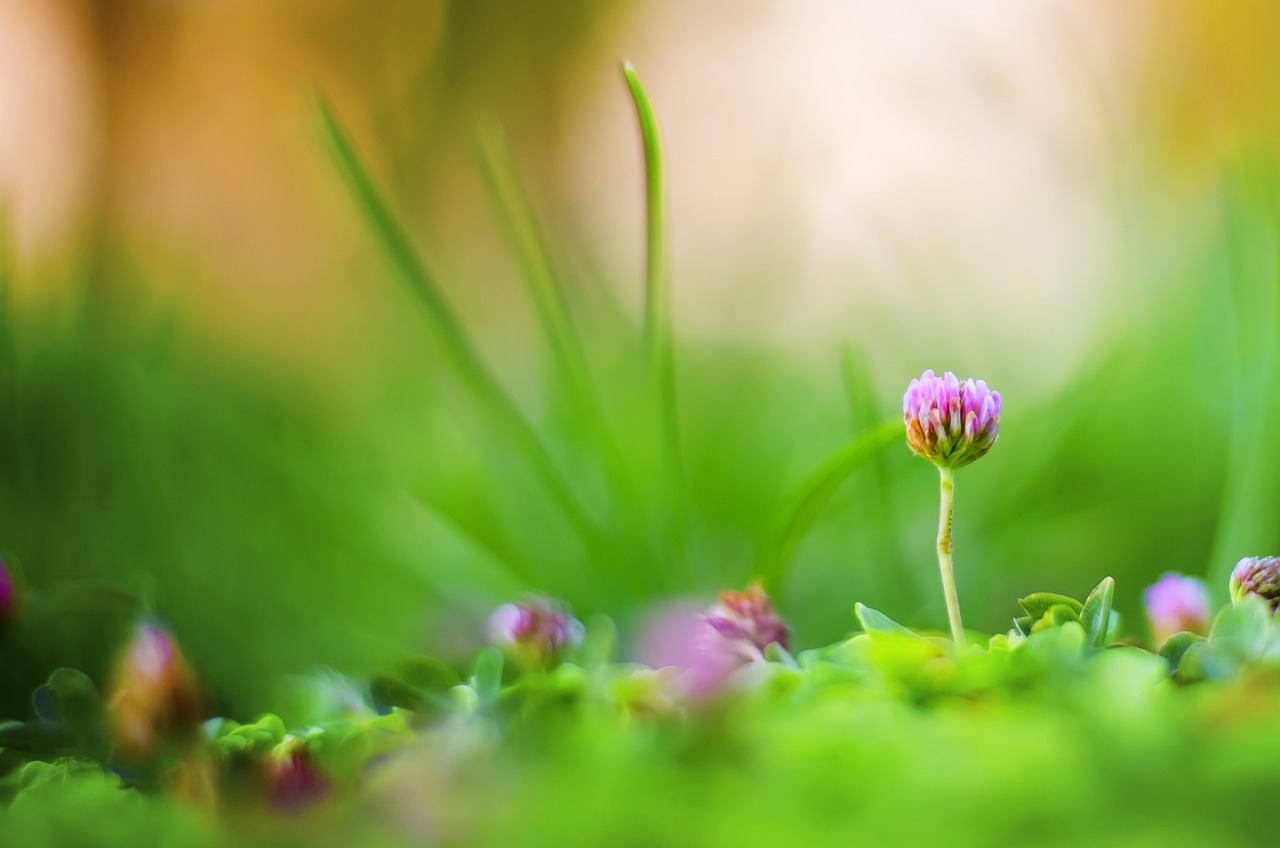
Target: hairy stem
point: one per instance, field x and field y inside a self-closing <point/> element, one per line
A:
<point x="944" y="556"/>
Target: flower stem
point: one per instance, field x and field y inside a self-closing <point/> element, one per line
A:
<point x="944" y="556"/>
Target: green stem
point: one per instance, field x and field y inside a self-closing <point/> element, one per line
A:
<point x="944" y="556"/>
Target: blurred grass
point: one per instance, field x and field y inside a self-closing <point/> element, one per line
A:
<point x="277" y="529"/>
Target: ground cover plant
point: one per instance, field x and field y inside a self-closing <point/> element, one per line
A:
<point x="712" y="724"/>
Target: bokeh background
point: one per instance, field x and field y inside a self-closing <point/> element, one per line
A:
<point x="219" y="404"/>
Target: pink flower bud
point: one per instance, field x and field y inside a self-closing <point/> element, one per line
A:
<point x="294" y="778"/>
<point x="8" y="593"/>
<point x="1176" y="603"/>
<point x="1257" y="576"/>
<point x="950" y="423"/>
<point x="537" y="629"/>
<point x="155" y="704"/>
<point x="745" y="623"/>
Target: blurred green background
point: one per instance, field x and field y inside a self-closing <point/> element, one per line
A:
<point x="219" y="403"/>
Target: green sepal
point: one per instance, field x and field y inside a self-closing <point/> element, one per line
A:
<point x="1039" y="603"/>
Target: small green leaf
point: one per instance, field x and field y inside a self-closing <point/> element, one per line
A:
<point x="1242" y="628"/>
<point x="1096" y="615"/>
<point x="1176" y="646"/>
<point x="487" y="678"/>
<point x="876" y="622"/>
<point x="1060" y="614"/>
<point x="428" y="674"/>
<point x="1036" y="605"/>
<point x="1024" y="623"/>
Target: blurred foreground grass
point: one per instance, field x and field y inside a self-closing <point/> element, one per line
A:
<point x="278" y="527"/>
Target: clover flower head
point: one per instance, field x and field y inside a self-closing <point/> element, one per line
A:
<point x="537" y="629"/>
<point x="1176" y="603"/>
<point x="294" y="778"/>
<point x="745" y="623"/>
<point x="1257" y="576"/>
<point x="155" y="703"/>
<point x="950" y="423"/>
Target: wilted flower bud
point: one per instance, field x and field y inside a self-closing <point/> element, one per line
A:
<point x="745" y="623"/>
<point x="1176" y="603"/>
<point x="8" y="593"/>
<point x="537" y="629"/>
<point x="950" y="423"/>
<point x="155" y="705"/>
<point x="1257" y="576"/>
<point x="295" y="779"/>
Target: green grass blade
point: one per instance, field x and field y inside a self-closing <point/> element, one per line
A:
<point x="659" y="345"/>
<point x="806" y="503"/>
<point x="657" y="306"/>
<point x="534" y="258"/>
<point x="403" y="258"/>
<point x="1252" y="249"/>
<point x="659" y="349"/>
<point x="545" y="288"/>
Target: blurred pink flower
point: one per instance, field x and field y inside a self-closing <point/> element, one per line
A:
<point x="1176" y="603"/>
<point x="537" y="629"/>
<point x="155" y="703"/>
<point x="713" y="644"/>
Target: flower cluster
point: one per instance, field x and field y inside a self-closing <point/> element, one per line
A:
<point x="746" y="623"/>
<point x="950" y="423"/>
<point x="1175" y="604"/>
<point x="1257" y="576"/>
<point x="155" y="705"/>
<point x="537" y="629"/>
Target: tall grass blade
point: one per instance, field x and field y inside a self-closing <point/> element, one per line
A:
<point x="657" y="297"/>
<point x="802" y="508"/>
<point x="1246" y="524"/>
<point x="403" y="258"/>
<point x="658" y="342"/>
<point x="545" y="288"/>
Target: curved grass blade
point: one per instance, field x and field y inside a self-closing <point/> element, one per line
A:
<point x="806" y="503"/>
<point x="658" y="342"/>
<point x="657" y="294"/>
<point x="403" y="258"/>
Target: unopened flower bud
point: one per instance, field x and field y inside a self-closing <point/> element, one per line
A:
<point x="950" y="423"/>
<point x="1176" y="603"/>
<point x="1257" y="576"/>
<point x="8" y="593"/>
<point x="745" y="623"/>
<point x="537" y="629"/>
<point x="155" y="705"/>
<point x="294" y="778"/>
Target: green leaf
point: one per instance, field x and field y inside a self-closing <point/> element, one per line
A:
<point x="403" y="258"/>
<point x="1060" y="614"/>
<point x="1096" y="615"/>
<point x="877" y="623"/>
<point x="1176" y="646"/>
<point x="1242" y="628"/>
<point x="805" y="504"/>
<point x="427" y="674"/>
<point x="1024" y="623"/>
<point x="1036" y="605"/>
<point x="487" y="678"/>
